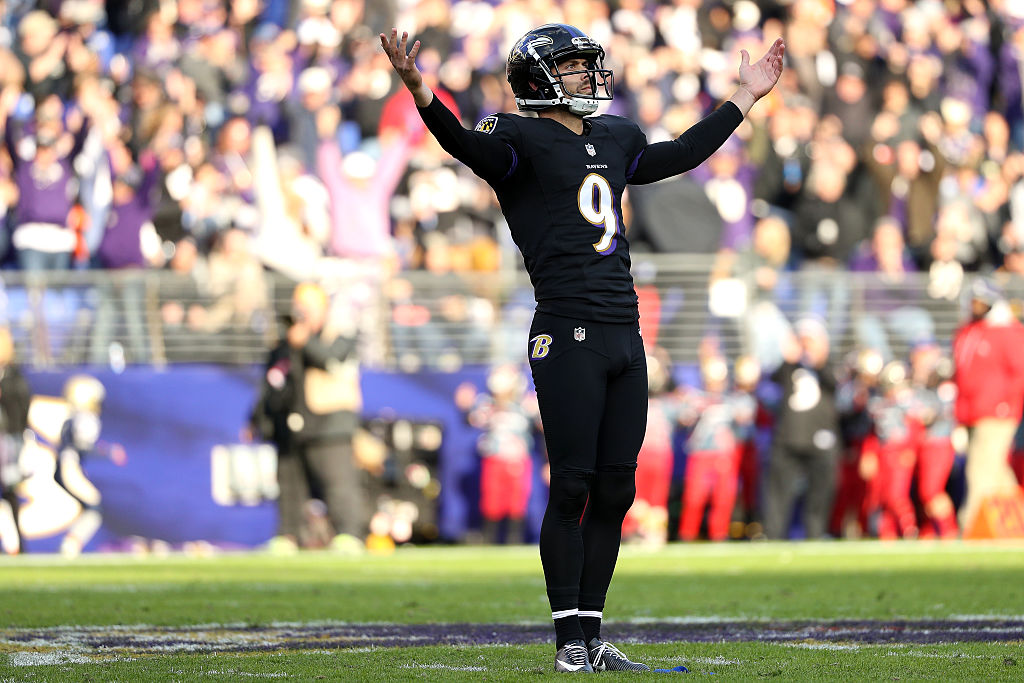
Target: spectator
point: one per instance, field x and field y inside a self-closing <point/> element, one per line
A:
<point x="238" y="293"/>
<point x="157" y="48"/>
<point x="907" y="175"/>
<point x="216" y="66"/>
<point x="945" y="271"/>
<point x="129" y="243"/>
<point x="989" y="376"/>
<point x="360" y="189"/>
<point x="310" y="410"/>
<point x="783" y="148"/>
<point x="828" y="224"/>
<point x="728" y="179"/>
<point x="271" y="81"/>
<point x="234" y="160"/>
<point x="805" y="448"/>
<point x="129" y="238"/>
<point x="183" y="303"/>
<point x="42" y="50"/>
<point x="889" y="299"/>
<point x="292" y="234"/>
<point x="770" y="290"/>
<point x="316" y="92"/>
<point x="852" y="102"/>
<point x="47" y="187"/>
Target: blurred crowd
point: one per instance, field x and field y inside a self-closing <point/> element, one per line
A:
<point x="222" y="141"/>
<point x="827" y="445"/>
<point x="233" y="146"/>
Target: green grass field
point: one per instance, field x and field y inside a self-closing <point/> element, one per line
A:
<point x="810" y="611"/>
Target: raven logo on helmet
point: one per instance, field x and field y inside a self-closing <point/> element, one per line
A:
<point x="532" y="70"/>
<point x="531" y="40"/>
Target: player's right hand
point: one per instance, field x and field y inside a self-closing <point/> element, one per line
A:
<point x="404" y="64"/>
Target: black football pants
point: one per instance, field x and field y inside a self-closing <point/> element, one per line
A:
<point x="591" y="381"/>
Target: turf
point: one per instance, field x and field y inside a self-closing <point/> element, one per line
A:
<point x="265" y="610"/>
<point x="731" y="661"/>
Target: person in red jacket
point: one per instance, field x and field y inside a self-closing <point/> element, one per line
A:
<point x="989" y="375"/>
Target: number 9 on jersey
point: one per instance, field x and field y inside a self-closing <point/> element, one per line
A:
<point x="598" y="207"/>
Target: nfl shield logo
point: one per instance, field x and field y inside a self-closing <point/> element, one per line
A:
<point x="579" y="334"/>
<point x="590" y="149"/>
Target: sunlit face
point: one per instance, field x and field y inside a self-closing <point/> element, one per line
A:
<point x="575" y="83"/>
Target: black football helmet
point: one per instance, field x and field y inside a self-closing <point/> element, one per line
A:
<point x="534" y="76"/>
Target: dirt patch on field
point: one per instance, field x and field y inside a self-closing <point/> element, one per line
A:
<point x="278" y="637"/>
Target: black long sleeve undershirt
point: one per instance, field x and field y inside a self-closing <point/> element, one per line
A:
<point x="665" y="159"/>
<point x="492" y="159"/>
<point x="489" y="157"/>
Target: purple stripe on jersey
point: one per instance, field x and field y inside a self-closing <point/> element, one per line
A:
<point x="515" y="162"/>
<point x="632" y="167"/>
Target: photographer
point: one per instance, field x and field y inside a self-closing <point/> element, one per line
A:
<point x="309" y="408"/>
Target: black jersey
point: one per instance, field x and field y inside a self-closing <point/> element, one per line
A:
<point x="561" y="194"/>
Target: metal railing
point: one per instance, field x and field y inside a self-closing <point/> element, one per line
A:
<point x="424" y="320"/>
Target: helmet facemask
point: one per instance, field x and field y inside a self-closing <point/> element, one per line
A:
<point x="601" y="86"/>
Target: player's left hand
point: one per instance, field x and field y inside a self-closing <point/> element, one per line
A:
<point x="760" y="77"/>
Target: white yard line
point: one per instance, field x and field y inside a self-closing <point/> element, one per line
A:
<point x="823" y="646"/>
<point x="443" y="667"/>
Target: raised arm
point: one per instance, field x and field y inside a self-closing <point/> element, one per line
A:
<point x="666" y="159"/>
<point x="489" y="156"/>
<point x="405" y="66"/>
<point x="758" y="79"/>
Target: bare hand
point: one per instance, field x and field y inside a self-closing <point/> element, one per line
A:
<point x="760" y="77"/>
<point x="327" y="121"/>
<point x="405" y="65"/>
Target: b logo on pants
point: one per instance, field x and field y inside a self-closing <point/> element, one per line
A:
<point x="539" y="346"/>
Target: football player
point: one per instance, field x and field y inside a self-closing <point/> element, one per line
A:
<point x="79" y="441"/>
<point x="559" y="176"/>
